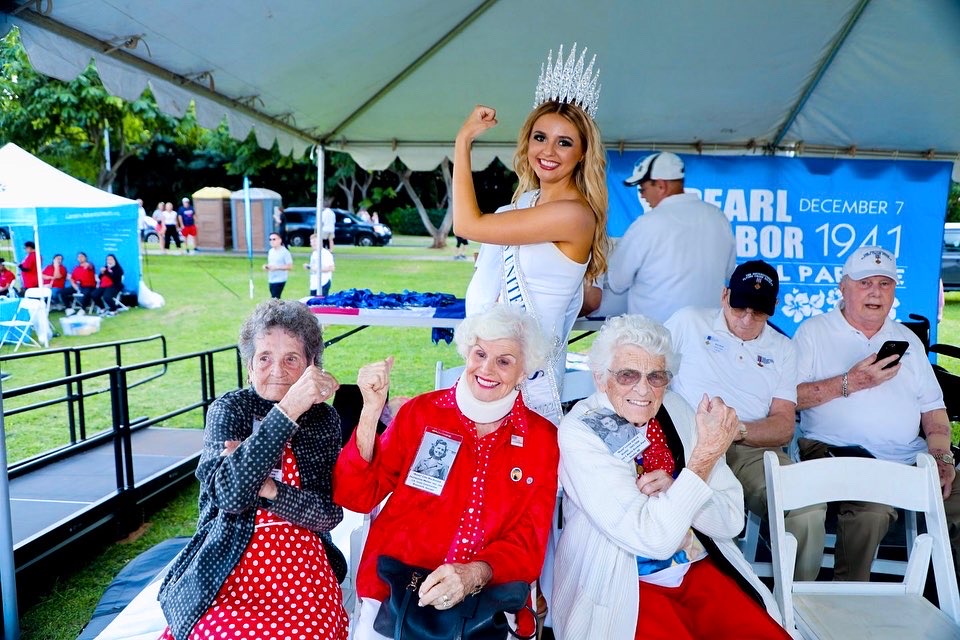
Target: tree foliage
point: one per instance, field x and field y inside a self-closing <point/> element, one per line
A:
<point x="65" y="122"/>
<point x="953" y="203"/>
<point x="157" y="157"/>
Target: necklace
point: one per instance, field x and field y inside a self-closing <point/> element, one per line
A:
<point x="480" y="411"/>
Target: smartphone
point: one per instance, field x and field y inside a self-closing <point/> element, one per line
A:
<point x="892" y="347"/>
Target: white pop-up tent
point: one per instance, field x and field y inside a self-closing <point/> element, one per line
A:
<point x="381" y="79"/>
<point x="64" y="215"/>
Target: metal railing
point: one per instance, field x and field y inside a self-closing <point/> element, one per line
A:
<point x="75" y="393"/>
<point x="120" y="511"/>
<point x="118" y="386"/>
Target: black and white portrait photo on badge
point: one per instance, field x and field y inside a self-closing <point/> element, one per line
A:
<point x="433" y="461"/>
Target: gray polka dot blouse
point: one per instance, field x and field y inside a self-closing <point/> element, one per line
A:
<point x="228" y="494"/>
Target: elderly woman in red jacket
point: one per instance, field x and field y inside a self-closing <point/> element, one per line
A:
<point x="487" y="518"/>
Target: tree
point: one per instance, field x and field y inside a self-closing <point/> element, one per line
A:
<point x="66" y="122"/>
<point x="953" y="203"/>
<point x="359" y="186"/>
<point x="406" y="176"/>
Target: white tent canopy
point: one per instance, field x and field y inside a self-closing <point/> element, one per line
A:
<point x="28" y="183"/>
<point x="381" y="79"/>
<point x="64" y="215"/>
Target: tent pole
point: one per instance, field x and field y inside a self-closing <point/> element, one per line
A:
<point x="106" y="156"/>
<point x="320" y="157"/>
<point x="248" y="221"/>
<point x="8" y="571"/>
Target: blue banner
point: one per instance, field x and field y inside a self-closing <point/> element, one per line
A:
<point x="805" y="216"/>
<point x="95" y="231"/>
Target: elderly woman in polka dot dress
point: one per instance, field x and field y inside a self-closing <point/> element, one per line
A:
<point x="256" y="567"/>
<point x="647" y="546"/>
<point x="486" y="520"/>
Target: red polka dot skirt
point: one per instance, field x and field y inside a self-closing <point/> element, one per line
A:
<point x="283" y="586"/>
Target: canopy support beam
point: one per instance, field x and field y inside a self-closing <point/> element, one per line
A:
<point x="821" y="71"/>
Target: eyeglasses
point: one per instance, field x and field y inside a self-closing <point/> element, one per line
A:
<point x="755" y="315"/>
<point x="631" y="377"/>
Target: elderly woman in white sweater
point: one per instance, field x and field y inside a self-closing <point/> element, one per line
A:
<point x="647" y="546"/>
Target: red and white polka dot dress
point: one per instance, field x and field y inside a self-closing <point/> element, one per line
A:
<point x="283" y="586"/>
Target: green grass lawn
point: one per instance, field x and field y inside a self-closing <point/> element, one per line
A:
<point x="207" y="297"/>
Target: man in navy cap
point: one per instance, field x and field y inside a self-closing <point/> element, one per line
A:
<point x="678" y="253"/>
<point x="732" y="352"/>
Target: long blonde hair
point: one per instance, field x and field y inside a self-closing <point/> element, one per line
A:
<point x="590" y="176"/>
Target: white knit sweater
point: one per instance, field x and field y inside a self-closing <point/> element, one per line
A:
<point x="608" y="523"/>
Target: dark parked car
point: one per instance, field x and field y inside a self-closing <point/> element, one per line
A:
<point x="950" y="258"/>
<point x="302" y="221"/>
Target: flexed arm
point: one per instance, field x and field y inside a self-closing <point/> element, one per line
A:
<point x="566" y="219"/>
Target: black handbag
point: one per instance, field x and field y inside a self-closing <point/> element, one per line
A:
<point x="478" y="617"/>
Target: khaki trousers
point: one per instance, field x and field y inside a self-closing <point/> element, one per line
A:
<point x="805" y="524"/>
<point x="862" y="525"/>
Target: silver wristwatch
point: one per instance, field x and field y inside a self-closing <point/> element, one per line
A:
<point x="946" y="458"/>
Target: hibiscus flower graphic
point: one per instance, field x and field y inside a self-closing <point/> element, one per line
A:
<point x="833" y="298"/>
<point x="800" y="305"/>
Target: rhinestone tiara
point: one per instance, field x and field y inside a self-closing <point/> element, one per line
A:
<point x="569" y="82"/>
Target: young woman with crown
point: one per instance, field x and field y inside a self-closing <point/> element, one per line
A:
<point x="538" y="249"/>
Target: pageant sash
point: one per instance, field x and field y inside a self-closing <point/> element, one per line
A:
<point x="541" y="391"/>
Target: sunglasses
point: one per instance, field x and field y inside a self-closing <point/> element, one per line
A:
<point x="631" y="377"/>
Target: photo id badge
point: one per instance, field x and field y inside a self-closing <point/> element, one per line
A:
<point x="620" y="436"/>
<point x="433" y="461"/>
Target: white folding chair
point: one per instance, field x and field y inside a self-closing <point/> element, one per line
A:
<point x="42" y="325"/>
<point x="750" y="542"/>
<point x="864" y="609"/>
<point x="444" y="378"/>
<point x="18" y="329"/>
<point x="118" y="303"/>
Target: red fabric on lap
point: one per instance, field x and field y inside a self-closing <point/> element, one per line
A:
<point x="707" y="604"/>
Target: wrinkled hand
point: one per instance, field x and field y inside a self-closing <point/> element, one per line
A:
<point x="654" y="482"/>
<point x="479" y="120"/>
<point x="268" y="489"/>
<point x="448" y="584"/>
<point x="870" y="372"/>
<point x="313" y="387"/>
<point x="717" y="426"/>
<point x="947" y="473"/>
<point x="229" y="446"/>
<point x="374" y="382"/>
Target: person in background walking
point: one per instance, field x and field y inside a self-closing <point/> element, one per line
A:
<point x="328" y="226"/>
<point x="321" y="267"/>
<point x="279" y="263"/>
<point x="171" y="227"/>
<point x="186" y="218"/>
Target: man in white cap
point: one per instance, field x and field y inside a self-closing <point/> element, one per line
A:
<point x="678" y="253"/>
<point x="849" y="397"/>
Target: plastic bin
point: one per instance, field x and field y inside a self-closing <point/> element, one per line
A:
<point x="80" y="325"/>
